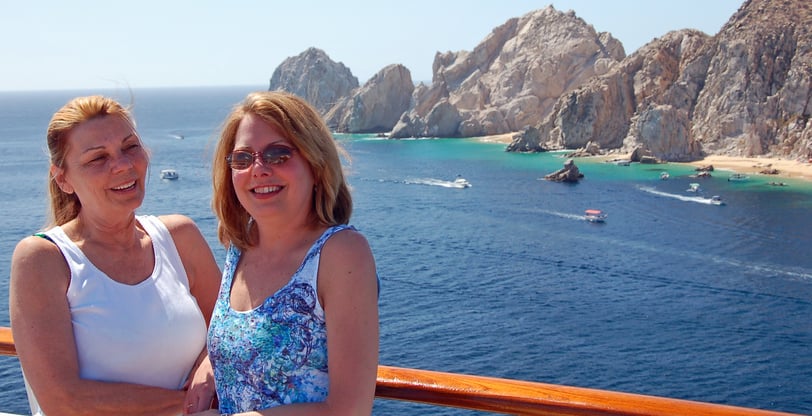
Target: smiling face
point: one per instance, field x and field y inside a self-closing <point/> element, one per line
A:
<point x="271" y="191"/>
<point x="105" y="166"/>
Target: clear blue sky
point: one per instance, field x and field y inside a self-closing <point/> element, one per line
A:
<point x="82" y="44"/>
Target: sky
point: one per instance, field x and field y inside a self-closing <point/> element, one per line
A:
<point x="84" y="44"/>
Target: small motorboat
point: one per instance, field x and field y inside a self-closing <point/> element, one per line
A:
<point x="594" y="215"/>
<point x="738" y="177"/>
<point x="461" y="182"/>
<point x="664" y="175"/>
<point x="693" y="187"/>
<point x="169" y="174"/>
<point x="717" y="200"/>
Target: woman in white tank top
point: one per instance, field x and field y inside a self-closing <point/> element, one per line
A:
<point x="109" y="310"/>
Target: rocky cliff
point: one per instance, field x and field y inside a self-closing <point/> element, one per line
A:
<point x="375" y="107"/>
<point x="550" y="77"/>
<point x="510" y="80"/>
<point x="315" y="77"/>
<point x="743" y="92"/>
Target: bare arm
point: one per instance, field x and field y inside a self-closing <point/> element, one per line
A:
<point x="204" y="283"/>
<point x="348" y="286"/>
<point x="198" y="260"/>
<point x="43" y="333"/>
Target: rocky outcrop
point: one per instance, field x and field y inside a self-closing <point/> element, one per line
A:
<point x="569" y="173"/>
<point x="744" y="92"/>
<point x="591" y="149"/>
<point x="645" y="101"/>
<point x="530" y="142"/>
<point x="756" y="98"/>
<point x="313" y="76"/>
<point x="512" y="79"/>
<point x="375" y="107"/>
<point x="549" y="76"/>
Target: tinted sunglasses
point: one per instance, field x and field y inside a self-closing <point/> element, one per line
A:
<point x="272" y="155"/>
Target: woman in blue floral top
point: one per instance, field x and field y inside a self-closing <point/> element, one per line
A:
<point x="295" y="327"/>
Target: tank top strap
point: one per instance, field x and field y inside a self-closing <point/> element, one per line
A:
<point x="233" y="255"/>
<point x="70" y="251"/>
<point x="166" y="252"/>
<point x="319" y="244"/>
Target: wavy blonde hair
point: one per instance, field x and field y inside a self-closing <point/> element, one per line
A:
<point x="300" y="124"/>
<point x="65" y="206"/>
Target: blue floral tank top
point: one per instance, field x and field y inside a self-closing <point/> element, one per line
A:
<point x="276" y="353"/>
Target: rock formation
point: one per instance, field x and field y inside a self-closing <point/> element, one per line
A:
<point x="569" y="173"/>
<point x="375" y="107"/>
<point x="590" y="149"/>
<point x="756" y="97"/>
<point x="744" y="92"/>
<point x="512" y="79"/>
<point x="313" y="76"/>
<point x="551" y="78"/>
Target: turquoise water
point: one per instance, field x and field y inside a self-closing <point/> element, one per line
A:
<point x="671" y="296"/>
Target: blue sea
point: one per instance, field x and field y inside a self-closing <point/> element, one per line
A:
<point x="671" y="296"/>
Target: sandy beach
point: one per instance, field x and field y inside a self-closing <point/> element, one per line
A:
<point x="505" y="138"/>
<point x="786" y="168"/>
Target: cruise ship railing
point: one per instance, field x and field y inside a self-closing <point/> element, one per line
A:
<point x="506" y="396"/>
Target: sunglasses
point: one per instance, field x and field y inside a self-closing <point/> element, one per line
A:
<point x="272" y="155"/>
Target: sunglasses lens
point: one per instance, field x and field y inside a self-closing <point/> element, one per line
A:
<point x="240" y="160"/>
<point x="275" y="155"/>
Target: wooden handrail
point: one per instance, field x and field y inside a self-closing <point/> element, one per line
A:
<point x="514" y="396"/>
<point x="517" y="397"/>
<point x="7" y="342"/>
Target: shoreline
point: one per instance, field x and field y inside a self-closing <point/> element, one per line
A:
<point x="787" y="168"/>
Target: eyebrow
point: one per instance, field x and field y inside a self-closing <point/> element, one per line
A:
<point x="280" y="142"/>
<point x="127" y="137"/>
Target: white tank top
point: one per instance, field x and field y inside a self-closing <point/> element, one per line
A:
<point x="150" y="333"/>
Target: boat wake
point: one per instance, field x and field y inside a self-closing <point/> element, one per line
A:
<point x="697" y="199"/>
<point x="457" y="183"/>
<point x="563" y="214"/>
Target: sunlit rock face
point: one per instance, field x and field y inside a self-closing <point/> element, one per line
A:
<point x="744" y="92"/>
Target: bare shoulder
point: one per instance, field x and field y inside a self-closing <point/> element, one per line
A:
<point x="182" y="228"/>
<point x="347" y="271"/>
<point x="347" y="242"/>
<point x="177" y="222"/>
<point x="347" y="253"/>
<point x="37" y="252"/>
<point x="37" y="263"/>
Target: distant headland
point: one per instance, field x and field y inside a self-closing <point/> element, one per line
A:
<point x="551" y="82"/>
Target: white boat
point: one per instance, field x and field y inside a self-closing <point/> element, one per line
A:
<point x="717" y="200"/>
<point x="594" y="215"/>
<point x="693" y="187"/>
<point x="664" y="175"/>
<point x="738" y="177"/>
<point x="461" y="182"/>
<point x="169" y="174"/>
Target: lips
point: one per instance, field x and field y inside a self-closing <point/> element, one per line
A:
<point x="124" y="187"/>
<point x="268" y="189"/>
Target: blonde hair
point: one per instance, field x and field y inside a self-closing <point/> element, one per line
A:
<point x="65" y="206"/>
<point x="300" y="124"/>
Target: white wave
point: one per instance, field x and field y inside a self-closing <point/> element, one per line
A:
<point x="697" y="199"/>
<point x="563" y="214"/>
<point x="458" y="183"/>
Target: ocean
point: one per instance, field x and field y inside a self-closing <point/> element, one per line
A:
<point x="671" y="296"/>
